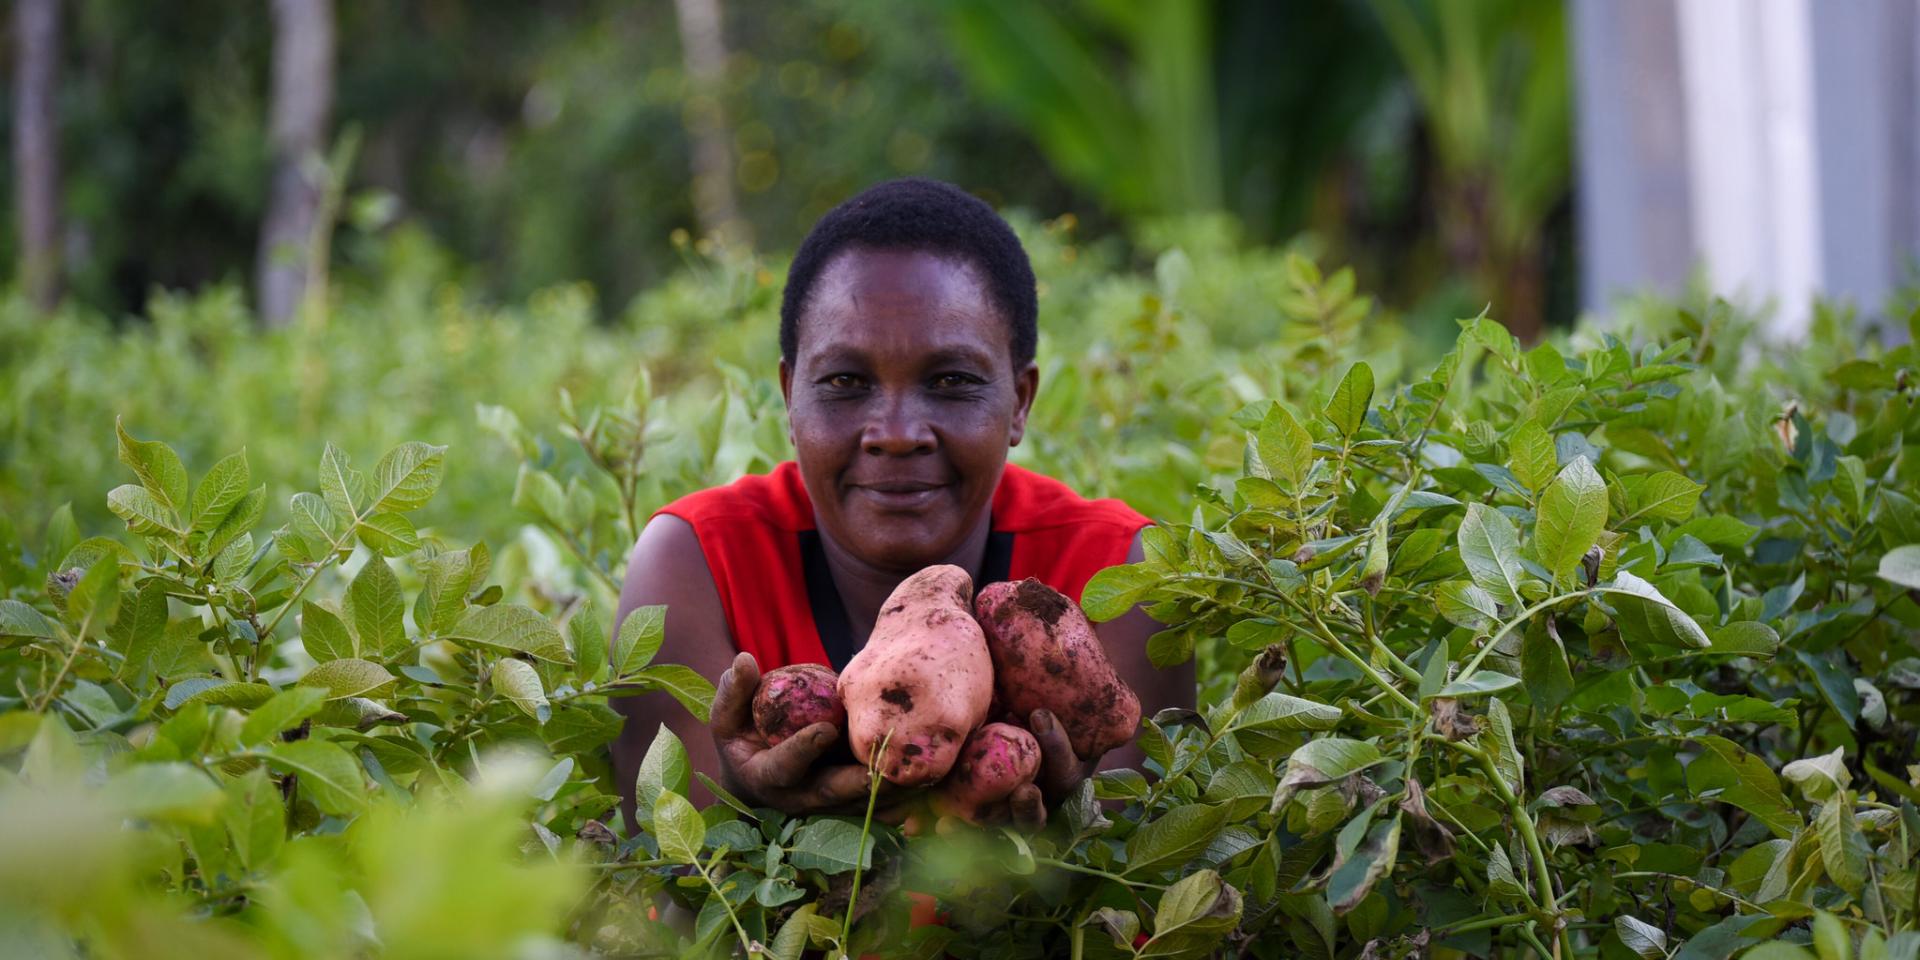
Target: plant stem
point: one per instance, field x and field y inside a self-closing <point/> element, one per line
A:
<point x="866" y="825"/>
<point x="746" y="943"/>
<point x="1096" y="872"/>
<point x="1507" y="627"/>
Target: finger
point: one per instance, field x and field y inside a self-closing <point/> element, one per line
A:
<point x="732" y="710"/>
<point x="787" y="762"/>
<point x="1060" y="768"/>
<point x="1027" y="808"/>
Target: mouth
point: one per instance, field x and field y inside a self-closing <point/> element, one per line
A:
<point x="899" y="494"/>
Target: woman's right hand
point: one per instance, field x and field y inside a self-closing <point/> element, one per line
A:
<point x="788" y="777"/>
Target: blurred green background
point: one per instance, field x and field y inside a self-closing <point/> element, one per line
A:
<point x="538" y="144"/>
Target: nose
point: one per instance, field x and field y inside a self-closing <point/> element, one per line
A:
<point x="896" y="427"/>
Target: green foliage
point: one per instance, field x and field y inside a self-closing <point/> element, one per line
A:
<point x="1599" y="649"/>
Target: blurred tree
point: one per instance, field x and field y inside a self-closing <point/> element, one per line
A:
<point x="1493" y="81"/>
<point x="704" y="50"/>
<point x="36" y="147"/>
<point x="302" y="104"/>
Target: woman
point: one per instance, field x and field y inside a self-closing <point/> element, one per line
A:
<point x="907" y="339"/>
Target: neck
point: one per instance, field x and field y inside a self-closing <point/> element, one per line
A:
<point x="864" y="587"/>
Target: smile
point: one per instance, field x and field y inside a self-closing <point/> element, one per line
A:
<point x="901" y="496"/>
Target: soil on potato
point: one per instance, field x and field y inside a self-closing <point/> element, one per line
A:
<point x="1041" y="600"/>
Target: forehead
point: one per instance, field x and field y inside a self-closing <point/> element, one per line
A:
<point x="901" y="302"/>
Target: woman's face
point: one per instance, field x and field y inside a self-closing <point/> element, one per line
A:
<point x="902" y="402"/>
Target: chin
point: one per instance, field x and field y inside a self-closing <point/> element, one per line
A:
<point x="909" y="556"/>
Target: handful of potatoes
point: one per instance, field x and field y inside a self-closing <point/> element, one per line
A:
<point x="939" y="662"/>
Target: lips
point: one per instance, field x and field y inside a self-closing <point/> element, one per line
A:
<point x="899" y="494"/>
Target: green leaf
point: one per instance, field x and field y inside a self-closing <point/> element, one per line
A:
<point x="239" y="520"/>
<point x="687" y="686"/>
<point x="348" y="677"/>
<point x="1843" y="848"/>
<point x="1901" y="566"/>
<point x="406" y="478"/>
<point x="1114" y="591"/>
<point x="1498" y="741"/>
<point x="1572" y="515"/>
<point x="312" y="518"/>
<point x="20" y="620"/>
<point x="1490" y="547"/>
<point x="329" y="776"/>
<point x="1347" y="410"/>
<point x="678" y="828"/>
<point x="1831" y="941"/>
<point x="1733" y="775"/>
<point x="538" y="495"/>
<point x="1501" y="881"/>
<point x="1647" y="941"/>
<point x="342" y="487"/>
<point x="283" y="712"/>
<point x="157" y="466"/>
<point x="95" y="600"/>
<point x="517" y="681"/>
<point x="378" y="610"/>
<point x="324" y="635"/>
<point x="1646" y="616"/>
<point x="1285" y="448"/>
<point x="639" y="639"/>
<point x="1663" y="496"/>
<point x="171" y="792"/>
<point x="255" y="818"/>
<point x="830" y="846"/>
<point x="1478" y="683"/>
<point x="1818" y="777"/>
<point x="1334" y="757"/>
<point x="1354" y="878"/>
<point x="1464" y="604"/>
<point x="590" y="656"/>
<point x="1747" y="638"/>
<point x="663" y="769"/>
<point x="1178" y="836"/>
<point x="1531" y="456"/>
<point x="444" y="579"/>
<point x="389" y="534"/>
<point x="220" y="693"/>
<point x="145" y="515"/>
<point x="1544" y="670"/>
<point x="1198" y="902"/>
<point x="512" y="628"/>
<point x="791" y="942"/>
<point x="219" y="491"/>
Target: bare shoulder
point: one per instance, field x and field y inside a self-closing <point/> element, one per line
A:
<point x="667" y="567"/>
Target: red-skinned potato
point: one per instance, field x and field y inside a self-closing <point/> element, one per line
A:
<point x="794" y="697"/>
<point x="996" y="760"/>
<point x="1046" y="656"/>
<point x="924" y="674"/>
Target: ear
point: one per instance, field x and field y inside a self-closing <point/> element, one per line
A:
<point x="786" y="397"/>
<point x="1026" y="384"/>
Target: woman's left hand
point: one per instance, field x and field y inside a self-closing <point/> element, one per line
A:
<point x="1061" y="771"/>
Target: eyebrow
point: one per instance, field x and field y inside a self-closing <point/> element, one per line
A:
<point x="963" y="354"/>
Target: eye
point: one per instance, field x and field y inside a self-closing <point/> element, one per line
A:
<point x="843" y="381"/>
<point x="955" y="380"/>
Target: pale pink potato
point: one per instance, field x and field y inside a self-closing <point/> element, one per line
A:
<point x="795" y="697"/>
<point x="924" y="675"/>
<point x="996" y="760"/>
<point x="1046" y="655"/>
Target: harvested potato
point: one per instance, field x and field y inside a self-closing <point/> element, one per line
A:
<point x="1046" y="655"/>
<point x="996" y="759"/>
<point x="924" y="675"/>
<point x="792" y="698"/>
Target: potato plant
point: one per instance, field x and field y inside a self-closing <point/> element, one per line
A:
<point x="1605" y="648"/>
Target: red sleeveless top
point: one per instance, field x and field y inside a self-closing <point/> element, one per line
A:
<point x="758" y="537"/>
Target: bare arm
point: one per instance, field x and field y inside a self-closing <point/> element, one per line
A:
<point x="667" y="567"/>
<point x="1125" y="640"/>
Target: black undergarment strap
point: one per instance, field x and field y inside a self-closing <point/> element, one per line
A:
<point x="830" y="615"/>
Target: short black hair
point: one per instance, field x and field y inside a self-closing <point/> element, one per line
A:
<point x="915" y="213"/>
